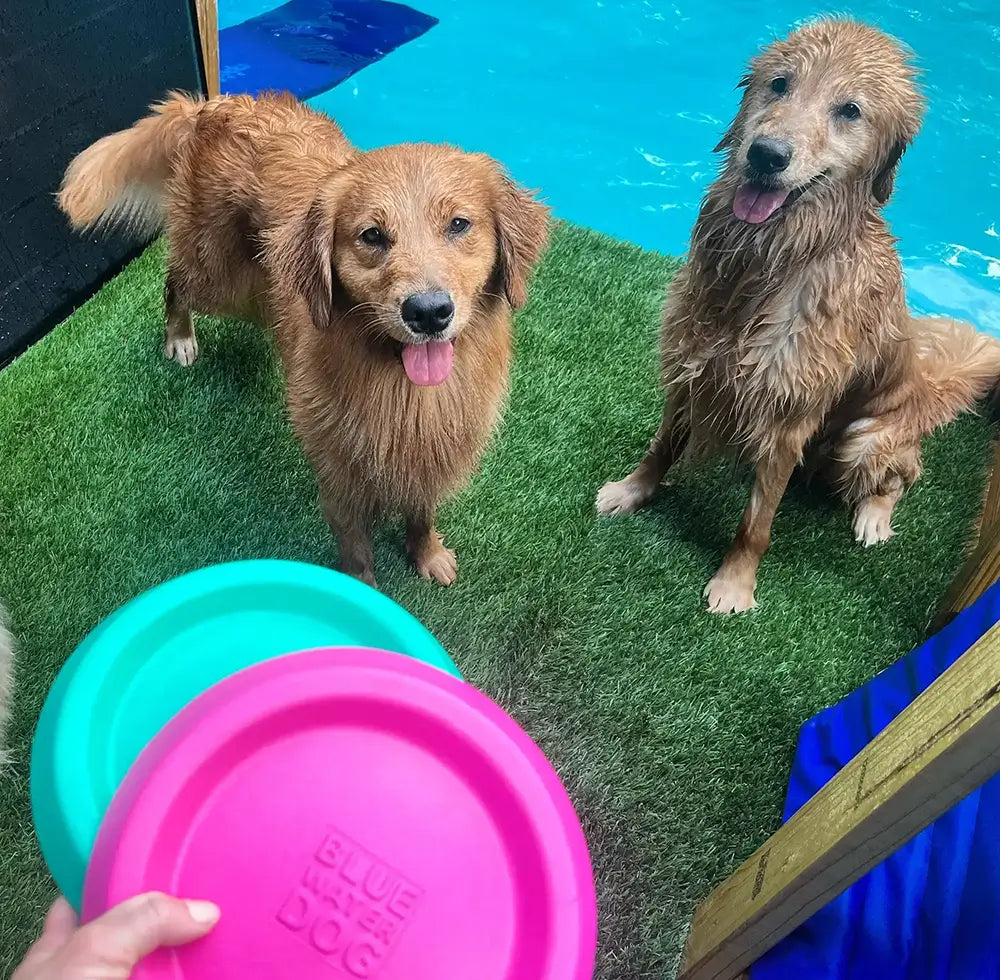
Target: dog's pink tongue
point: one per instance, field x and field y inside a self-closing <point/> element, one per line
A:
<point x="430" y="363"/>
<point x="754" y="205"/>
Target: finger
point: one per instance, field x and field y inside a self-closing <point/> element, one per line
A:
<point x="132" y="930"/>
<point x="60" y="925"/>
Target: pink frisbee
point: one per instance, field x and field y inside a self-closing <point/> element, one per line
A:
<point x="358" y="814"/>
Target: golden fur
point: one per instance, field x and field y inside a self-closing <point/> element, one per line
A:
<point x="788" y="338"/>
<point x="271" y="214"/>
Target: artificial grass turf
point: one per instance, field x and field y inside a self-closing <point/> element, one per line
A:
<point x="673" y="730"/>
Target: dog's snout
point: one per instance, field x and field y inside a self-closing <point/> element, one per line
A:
<point x="769" y="155"/>
<point x="429" y="312"/>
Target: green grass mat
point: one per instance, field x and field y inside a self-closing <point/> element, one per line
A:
<point x="673" y="730"/>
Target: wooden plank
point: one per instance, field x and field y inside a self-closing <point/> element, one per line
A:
<point x="933" y="754"/>
<point x="208" y="36"/>
<point x="982" y="568"/>
<point x="990" y="519"/>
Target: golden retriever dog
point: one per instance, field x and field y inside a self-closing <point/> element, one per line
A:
<point x="786" y="337"/>
<point x="389" y="277"/>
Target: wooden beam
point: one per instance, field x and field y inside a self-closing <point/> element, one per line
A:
<point x="990" y="519"/>
<point x="932" y="755"/>
<point x="982" y="568"/>
<point x="208" y="37"/>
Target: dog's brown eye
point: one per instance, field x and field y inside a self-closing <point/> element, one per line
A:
<point x="375" y="238"/>
<point x="459" y="226"/>
<point x="779" y="85"/>
<point x="849" y="110"/>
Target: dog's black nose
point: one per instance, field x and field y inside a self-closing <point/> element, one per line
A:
<point x="429" y="312"/>
<point x="768" y="155"/>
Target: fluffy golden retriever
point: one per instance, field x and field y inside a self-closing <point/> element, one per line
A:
<point x="389" y="277"/>
<point x="786" y="335"/>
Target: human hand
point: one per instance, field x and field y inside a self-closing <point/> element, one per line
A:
<point x="110" y="947"/>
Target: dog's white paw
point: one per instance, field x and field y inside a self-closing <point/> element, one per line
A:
<point x="623" y="497"/>
<point x="183" y="350"/>
<point x="873" y="521"/>
<point x="728" y="592"/>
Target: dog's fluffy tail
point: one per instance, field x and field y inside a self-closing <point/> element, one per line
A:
<point x="6" y="679"/>
<point x="120" y="179"/>
<point x="880" y="452"/>
<point x="961" y="365"/>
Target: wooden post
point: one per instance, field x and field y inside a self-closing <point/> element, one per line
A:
<point x="982" y="568"/>
<point x="991" y="511"/>
<point x="933" y="754"/>
<point x="208" y="37"/>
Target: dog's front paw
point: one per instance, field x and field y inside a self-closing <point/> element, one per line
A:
<point x="622" y="497"/>
<point x="183" y="350"/>
<point x="730" y="592"/>
<point x="438" y="564"/>
<point x="432" y="559"/>
<point x="362" y="574"/>
<point x="873" y="521"/>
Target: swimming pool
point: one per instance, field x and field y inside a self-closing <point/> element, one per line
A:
<point x="612" y="107"/>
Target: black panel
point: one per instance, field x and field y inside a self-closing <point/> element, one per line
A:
<point x="70" y="72"/>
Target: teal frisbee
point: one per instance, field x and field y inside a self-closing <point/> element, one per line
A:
<point x="144" y="663"/>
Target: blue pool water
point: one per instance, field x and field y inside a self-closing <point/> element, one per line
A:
<point x="611" y="108"/>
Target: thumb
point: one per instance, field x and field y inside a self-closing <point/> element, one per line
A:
<point x="60" y="925"/>
<point x="134" y="929"/>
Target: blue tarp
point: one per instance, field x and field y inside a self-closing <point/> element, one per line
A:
<point x="308" y="46"/>
<point x="931" y="911"/>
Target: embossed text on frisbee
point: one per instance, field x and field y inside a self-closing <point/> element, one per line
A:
<point x="350" y="906"/>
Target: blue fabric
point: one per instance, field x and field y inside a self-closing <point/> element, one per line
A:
<point x="931" y="911"/>
<point x="308" y="46"/>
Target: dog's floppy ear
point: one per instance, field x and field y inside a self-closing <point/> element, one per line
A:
<point x="885" y="176"/>
<point x="301" y="260"/>
<point x="903" y="132"/>
<point x="729" y="137"/>
<point x="522" y="226"/>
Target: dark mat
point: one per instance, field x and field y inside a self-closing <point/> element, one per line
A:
<point x="70" y="73"/>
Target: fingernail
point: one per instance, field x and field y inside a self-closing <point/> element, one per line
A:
<point x="203" y="912"/>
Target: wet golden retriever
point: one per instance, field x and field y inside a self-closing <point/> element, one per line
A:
<point x="389" y="277"/>
<point x="786" y="335"/>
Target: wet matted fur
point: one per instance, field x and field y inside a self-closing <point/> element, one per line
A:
<point x="786" y="335"/>
<point x="271" y="214"/>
